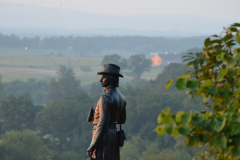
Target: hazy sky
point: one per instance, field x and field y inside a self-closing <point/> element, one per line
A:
<point x="217" y="9"/>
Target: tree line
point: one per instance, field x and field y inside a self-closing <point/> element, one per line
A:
<point x="94" y="45"/>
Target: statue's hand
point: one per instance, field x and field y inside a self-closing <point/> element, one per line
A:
<point x="90" y="152"/>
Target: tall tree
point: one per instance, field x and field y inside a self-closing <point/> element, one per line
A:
<point x="24" y="145"/>
<point x="138" y="64"/>
<point x="63" y="123"/>
<point x="2" y="91"/>
<point x="18" y="113"/>
<point x="215" y="77"/>
<point x="67" y="85"/>
<point x="115" y="59"/>
<point x="65" y="71"/>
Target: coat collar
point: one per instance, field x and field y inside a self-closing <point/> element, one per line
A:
<point x="109" y="89"/>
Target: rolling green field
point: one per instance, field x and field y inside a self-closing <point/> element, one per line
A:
<point x="22" y="64"/>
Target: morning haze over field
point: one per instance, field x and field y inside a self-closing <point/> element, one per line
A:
<point x="51" y="50"/>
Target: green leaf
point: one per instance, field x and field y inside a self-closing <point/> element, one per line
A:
<point x="196" y="139"/>
<point x="231" y="109"/>
<point x="160" y="129"/>
<point x="206" y="98"/>
<point x="169" y="83"/>
<point x="190" y="142"/>
<point x="219" y="125"/>
<point x="194" y="73"/>
<point x="236" y="128"/>
<point x="231" y="63"/>
<point x="236" y="152"/>
<point x="189" y="64"/>
<point x="227" y="101"/>
<point x="238" y="34"/>
<point x="206" y="83"/>
<point x="179" y="116"/>
<point x="191" y="84"/>
<point x="235" y="52"/>
<point x="237" y="39"/>
<point x="229" y="116"/>
<point x="227" y="37"/>
<point x="217" y="41"/>
<point x="213" y="90"/>
<point x="219" y="57"/>
<point x="200" y="90"/>
<point x="212" y="142"/>
<point x="181" y="84"/>
<point x="198" y="119"/>
<point x="207" y="42"/>
<point x="224" y="92"/>
<point x="205" y="138"/>
<point x="167" y="111"/>
<point x="236" y="92"/>
<point x="206" y="115"/>
<point x="168" y="120"/>
<point x="233" y="29"/>
<point x="186" y="118"/>
<point x="231" y="73"/>
<point x="169" y="130"/>
<point x="184" y="131"/>
<point x="160" y="118"/>
<point x="221" y="75"/>
<point x="195" y="64"/>
<point x="236" y="25"/>
<point x="175" y="133"/>
<point x="188" y="72"/>
<point x="221" y="142"/>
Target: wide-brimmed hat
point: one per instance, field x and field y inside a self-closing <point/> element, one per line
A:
<point x="110" y="69"/>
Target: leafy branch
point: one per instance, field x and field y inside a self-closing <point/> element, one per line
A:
<point x="215" y="77"/>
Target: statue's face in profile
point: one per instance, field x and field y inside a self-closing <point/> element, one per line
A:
<point x="105" y="80"/>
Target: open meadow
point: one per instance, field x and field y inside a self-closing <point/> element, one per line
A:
<point x="22" y="64"/>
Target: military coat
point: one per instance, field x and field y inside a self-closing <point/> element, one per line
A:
<point x="110" y="110"/>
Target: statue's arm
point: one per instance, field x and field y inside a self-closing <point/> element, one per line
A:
<point x="104" y="116"/>
<point x="123" y="115"/>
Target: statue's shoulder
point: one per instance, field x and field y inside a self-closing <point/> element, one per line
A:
<point x="107" y="95"/>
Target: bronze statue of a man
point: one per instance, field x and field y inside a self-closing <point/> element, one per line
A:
<point x="110" y="110"/>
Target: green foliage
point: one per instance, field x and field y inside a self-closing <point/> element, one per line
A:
<point x="138" y="64"/>
<point x="152" y="153"/>
<point x="63" y="125"/>
<point x="23" y="145"/>
<point x="18" y="113"/>
<point x="36" y="90"/>
<point x="95" y="90"/>
<point x="67" y="85"/>
<point x="130" y="151"/>
<point x="65" y="71"/>
<point x="2" y="91"/>
<point x="71" y="156"/>
<point x="85" y="69"/>
<point x="115" y="59"/>
<point x="215" y="77"/>
<point x="96" y="45"/>
<point x="191" y="50"/>
<point x="169" y="74"/>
